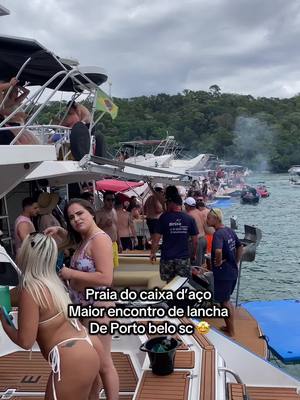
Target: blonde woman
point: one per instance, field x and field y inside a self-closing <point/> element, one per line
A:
<point x="42" y="317"/>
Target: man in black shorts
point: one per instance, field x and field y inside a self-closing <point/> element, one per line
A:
<point x="175" y="227"/>
<point x="226" y="255"/>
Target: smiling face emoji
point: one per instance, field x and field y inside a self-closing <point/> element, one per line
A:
<point x="203" y="327"/>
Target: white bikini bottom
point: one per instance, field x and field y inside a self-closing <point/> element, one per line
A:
<point x="54" y="358"/>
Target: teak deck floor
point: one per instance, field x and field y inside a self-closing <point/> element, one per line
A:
<point x="247" y="332"/>
<point x="18" y="371"/>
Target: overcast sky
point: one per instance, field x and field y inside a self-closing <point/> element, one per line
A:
<point x="155" y="46"/>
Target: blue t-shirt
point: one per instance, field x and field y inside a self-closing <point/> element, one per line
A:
<point x="227" y="240"/>
<point x="176" y="228"/>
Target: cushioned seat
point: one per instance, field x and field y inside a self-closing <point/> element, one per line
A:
<point x="149" y="279"/>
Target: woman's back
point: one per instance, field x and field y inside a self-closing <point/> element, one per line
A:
<point x="53" y="327"/>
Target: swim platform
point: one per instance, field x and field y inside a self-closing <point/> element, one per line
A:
<point x="279" y="321"/>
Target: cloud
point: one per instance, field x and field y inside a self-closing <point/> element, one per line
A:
<point x="149" y="47"/>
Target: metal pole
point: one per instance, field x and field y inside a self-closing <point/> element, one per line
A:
<point x="238" y="284"/>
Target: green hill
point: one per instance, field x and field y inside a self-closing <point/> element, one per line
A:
<point x="261" y="133"/>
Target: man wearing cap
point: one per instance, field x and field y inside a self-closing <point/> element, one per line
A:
<point x="175" y="227"/>
<point x="225" y="257"/>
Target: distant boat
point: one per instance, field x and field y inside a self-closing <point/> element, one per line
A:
<point x="294" y="175"/>
<point x="249" y="195"/>
<point x="262" y="191"/>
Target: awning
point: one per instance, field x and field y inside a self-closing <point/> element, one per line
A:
<point x="43" y="65"/>
<point x="114" y="185"/>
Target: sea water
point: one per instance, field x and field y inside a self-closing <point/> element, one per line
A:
<point x="275" y="273"/>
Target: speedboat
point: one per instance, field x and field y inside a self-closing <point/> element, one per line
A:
<point x="262" y="191"/>
<point x="249" y="195"/>
<point x="207" y="366"/>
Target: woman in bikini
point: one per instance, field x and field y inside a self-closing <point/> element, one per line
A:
<point x="91" y="266"/>
<point x="42" y="317"/>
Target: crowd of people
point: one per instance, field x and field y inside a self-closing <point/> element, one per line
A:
<point x="91" y="240"/>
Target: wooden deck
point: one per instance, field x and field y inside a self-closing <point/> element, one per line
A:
<point x="247" y="332"/>
<point x="171" y="387"/>
<point x="18" y="371"/>
<point x="235" y="392"/>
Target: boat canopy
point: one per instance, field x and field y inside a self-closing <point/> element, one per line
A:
<point x="41" y="65"/>
<point x="3" y="11"/>
<point x="115" y="185"/>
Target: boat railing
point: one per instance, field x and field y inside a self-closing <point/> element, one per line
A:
<point x="250" y="242"/>
<point x="43" y="132"/>
<point x="237" y="378"/>
<point x="64" y="74"/>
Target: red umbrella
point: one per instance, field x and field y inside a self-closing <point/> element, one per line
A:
<point x="114" y="185"/>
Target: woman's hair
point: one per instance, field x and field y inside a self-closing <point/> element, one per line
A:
<point x="75" y="237"/>
<point x="37" y="259"/>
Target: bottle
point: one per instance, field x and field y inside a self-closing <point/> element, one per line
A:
<point x="5" y="298"/>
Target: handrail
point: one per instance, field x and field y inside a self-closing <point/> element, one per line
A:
<point x="238" y="380"/>
<point x="17" y="76"/>
<point x="19" y="108"/>
<point x="43" y="105"/>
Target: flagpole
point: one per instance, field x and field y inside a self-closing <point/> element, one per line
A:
<point x="109" y="91"/>
<point x="98" y="119"/>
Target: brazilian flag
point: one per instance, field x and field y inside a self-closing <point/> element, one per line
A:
<point x="104" y="103"/>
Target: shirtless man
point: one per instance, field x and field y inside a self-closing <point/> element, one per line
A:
<point x="23" y="224"/>
<point x="107" y="220"/>
<point x="153" y="209"/>
<point x="125" y="225"/>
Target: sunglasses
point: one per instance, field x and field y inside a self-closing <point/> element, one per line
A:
<point x="109" y="199"/>
<point x="213" y="212"/>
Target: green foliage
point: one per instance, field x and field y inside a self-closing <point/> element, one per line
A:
<point x="257" y="132"/>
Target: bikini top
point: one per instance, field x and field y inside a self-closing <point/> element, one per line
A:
<point x="73" y="321"/>
<point x="81" y="261"/>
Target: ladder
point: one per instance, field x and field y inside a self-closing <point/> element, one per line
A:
<point x="5" y="229"/>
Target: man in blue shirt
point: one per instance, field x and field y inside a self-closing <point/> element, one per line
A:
<point x="226" y="254"/>
<point x="175" y="227"/>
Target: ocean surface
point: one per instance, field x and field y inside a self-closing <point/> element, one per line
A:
<point x="275" y="273"/>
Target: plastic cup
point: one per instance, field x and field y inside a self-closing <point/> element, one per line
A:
<point x="5" y="298"/>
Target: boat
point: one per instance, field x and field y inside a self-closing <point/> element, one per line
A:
<point x="249" y="195"/>
<point x="262" y="191"/>
<point x="151" y="153"/>
<point x="294" y="175"/>
<point x="207" y="366"/>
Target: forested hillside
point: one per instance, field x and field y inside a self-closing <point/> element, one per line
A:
<point x="261" y="133"/>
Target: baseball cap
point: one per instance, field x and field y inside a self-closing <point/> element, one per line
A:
<point x="190" y="201"/>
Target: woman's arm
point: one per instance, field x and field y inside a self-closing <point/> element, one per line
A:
<point x="57" y="232"/>
<point x="100" y="250"/>
<point x="28" y="319"/>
